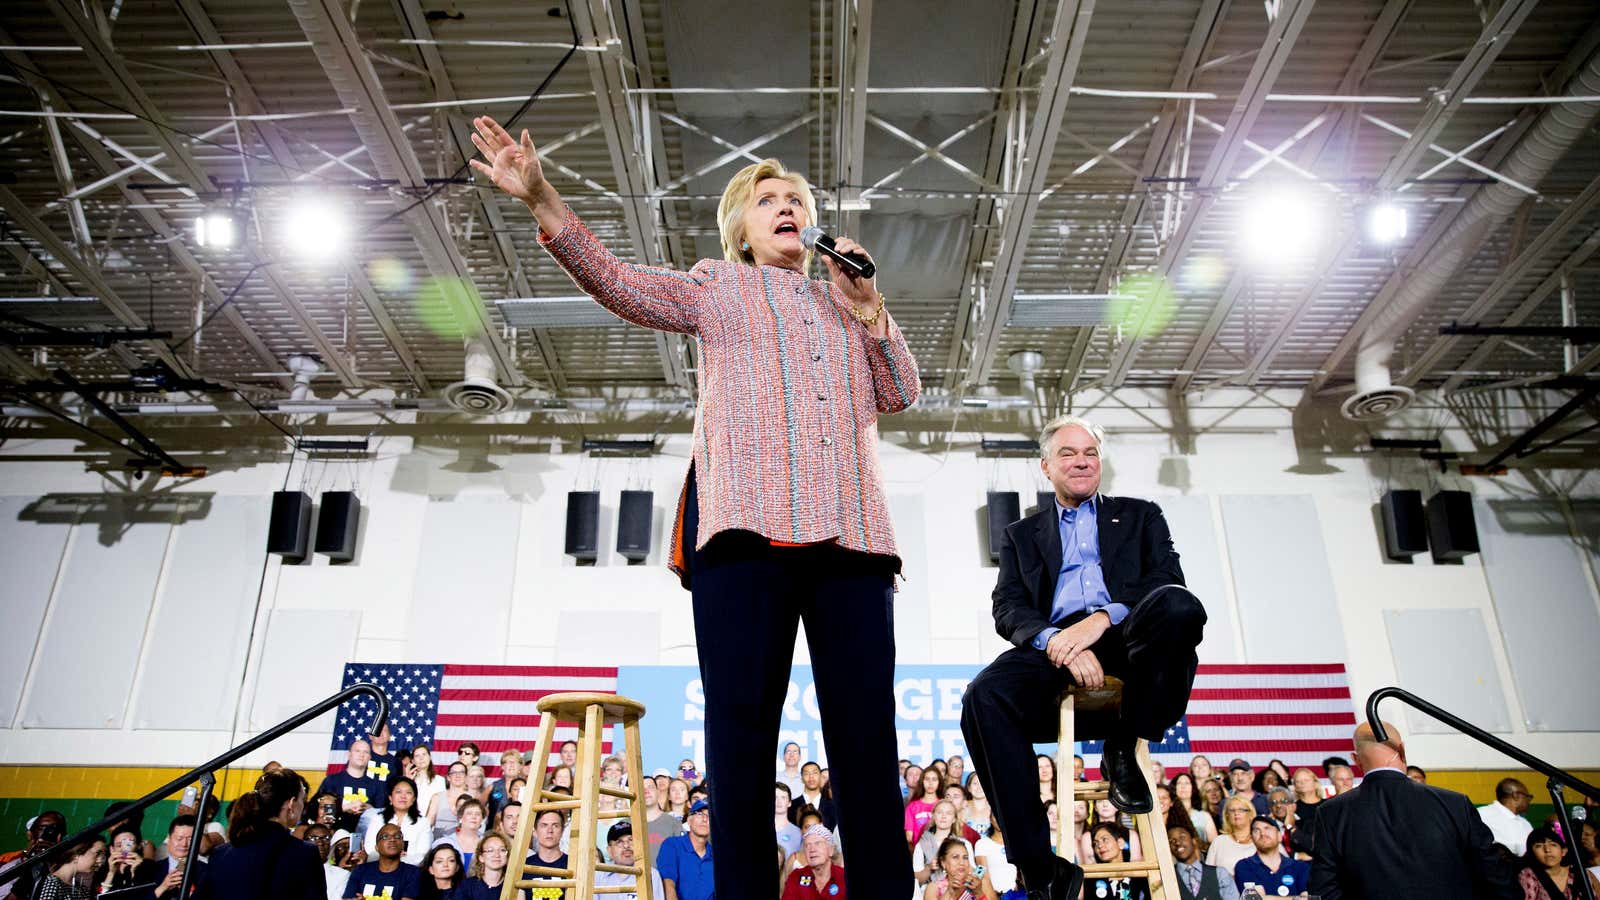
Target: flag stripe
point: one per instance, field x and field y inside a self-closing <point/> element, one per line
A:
<point x="1273" y="747"/>
<point x="1269" y="706"/>
<point x="567" y="672"/>
<point x="1291" y="720"/>
<point x="1285" y="682"/>
<point x="529" y="724"/>
<point x="1313" y="693"/>
<point x="504" y="695"/>
<point x="453" y="682"/>
<point x="1273" y="669"/>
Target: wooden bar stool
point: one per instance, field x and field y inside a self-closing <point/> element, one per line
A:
<point x="1101" y="704"/>
<point x="594" y="713"/>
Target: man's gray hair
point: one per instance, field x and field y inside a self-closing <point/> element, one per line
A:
<point x="1060" y="422"/>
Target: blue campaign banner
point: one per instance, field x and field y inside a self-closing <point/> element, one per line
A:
<point x="927" y="713"/>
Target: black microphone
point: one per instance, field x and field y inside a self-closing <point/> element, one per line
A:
<point x="855" y="264"/>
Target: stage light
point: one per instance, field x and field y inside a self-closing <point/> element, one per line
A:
<point x="314" y="230"/>
<point x="1279" y="225"/>
<point x="215" y="230"/>
<point x="1387" y="223"/>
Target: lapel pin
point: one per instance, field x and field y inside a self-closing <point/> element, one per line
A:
<point x="1116" y="521"/>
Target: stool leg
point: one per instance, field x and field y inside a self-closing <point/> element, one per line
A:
<point x="1066" y="847"/>
<point x="581" y="859"/>
<point x="1153" y="832"/>
<point x="641" y="840"/>
<point x="523" y="839"/>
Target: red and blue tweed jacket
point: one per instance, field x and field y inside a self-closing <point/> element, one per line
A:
<point x="791" y="385"/>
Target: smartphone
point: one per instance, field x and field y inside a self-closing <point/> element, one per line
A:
<point x="190" y="795"/>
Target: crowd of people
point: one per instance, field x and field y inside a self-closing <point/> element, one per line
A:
<point x="392" y="825"/>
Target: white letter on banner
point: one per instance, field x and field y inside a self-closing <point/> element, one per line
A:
<point x="950" y="691"/>
<point x="695" y="709"/>
<point x="808" y="701"/>
<point x="916" y="745"/>
<point x="694" y="744"/>
<point x="954" y="743"/>
<point x="791" y="698"/>
<point x="918" y="706"/>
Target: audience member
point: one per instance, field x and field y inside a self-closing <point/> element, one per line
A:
<point x="658" y="825"/>
<point x="1269" y="869"/>
<point x="563" y="777"/>
<point x="819" y="878"/>
<point x="955" y="769"/>
<point x="1233" y="841"/>
<point x="264" y="860"/>
<point x="1047" y="777"/>
<point x="442" y="874"/>
<point x="387" y="875"/>
<point x="74" y="872"/>
<point x="500" y="788"/>
<point x="1548" y="870"/>
<point x="402" y="811"/>
<point x="1342" y="778"/>
<point x="619" y="851"/>
<point x="1196" y="879"/>
<point x="356" y="788"/>
<point x="169" y="873"/>
<point x="797" y="860"/>
<point x="1108" y="840"/>
<point x="1505" y="815"/>
<point x="977" y="816"/>
<point x="44" y="831"/>
<point x="547" y="831"/>
<point x="329" y="843"/>
<point x="677" y="799"/>
<point x="126" y="866"/>
<point x="430" y="783"/>
<point x="816" y="795"/>
<point x="1213" y="798"/>
<point x="1080" y="827"/>
<point x="1282" y="769"/>
<point x="488" y="870"/>
<point x="1281" y="804"/>
<point x="1200" y="769"/>
<point x="447" y="803"/>
<point x="1187" y="800"/>
<point x="569" y="754"/>
<point x="1106" y="811"/>
<point x="1588" y="851"/>
<point x="788" y="834"/>
<point x="1241" y="781"/>
<point x="1417" y="774"/>
<point x="1307" y="799"/>
<point x="942" y="826"/>
<point x="1266" y="780"/>
<point x="685" y="862"/>
<point x="478" y="785"/>
<point x="688" y="772"/>
<point x="469" y="830"/>
<point x="924" y="796"/>
<point x="790" y="773"/>
<point x="960" y="881"/>
<point x="383" y="765"/>
<point x="468" y="754"/>
<point x="990" y="853"/>
<point x="510" y="817"/>
<point x="1394" y="839"/>
<point x="1079" y="771"/>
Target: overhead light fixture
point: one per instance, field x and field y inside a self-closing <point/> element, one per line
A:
<point x="216" y="230"/>
<point x="1387" y="223"/>
<point x="1280" y="224"/>
<point x="314" y="230"/>
<point x="555" y="312"/>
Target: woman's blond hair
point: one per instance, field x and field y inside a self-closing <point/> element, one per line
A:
<point x="476" y="870"/>
<point x="736" y="198"/>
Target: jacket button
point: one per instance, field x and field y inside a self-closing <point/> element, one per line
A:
<point x="800" y="288"/>
<point x="816" y="357"/>
<point x="827" y="442"/>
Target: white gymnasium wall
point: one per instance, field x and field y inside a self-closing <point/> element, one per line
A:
<point x="450" y="529"/>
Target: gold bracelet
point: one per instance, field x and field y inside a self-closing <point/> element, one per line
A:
<point x="871" y="320"/>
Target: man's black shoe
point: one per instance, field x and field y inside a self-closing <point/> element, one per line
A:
<point x="1127" y="788"/>
<point x="1065" y="883"/>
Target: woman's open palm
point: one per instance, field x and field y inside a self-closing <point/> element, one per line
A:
<point x="513" y="166"/>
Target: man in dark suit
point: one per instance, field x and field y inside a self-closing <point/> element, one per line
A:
<point x="1196" y="880"/>
<point x="1083" y="592"/>
<point x="1394" y="838"/>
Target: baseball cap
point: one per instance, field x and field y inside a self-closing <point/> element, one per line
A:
<point x="1240" y="764"/>
<point x="660" y="772"/>
<point x="698" y="806"/>
<point x="619" y="831"/>
<point x="1267" y="819"/>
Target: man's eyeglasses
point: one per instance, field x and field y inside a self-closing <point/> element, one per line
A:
<point x="391" y="837"/>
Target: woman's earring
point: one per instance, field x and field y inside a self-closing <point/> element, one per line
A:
<point x="745" y="245"/>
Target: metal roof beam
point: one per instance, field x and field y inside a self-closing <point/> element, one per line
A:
<point x="333" y="38"/>
<point x="1280" y="41"/>
<point x="1068" y="34"/>
<point x="852" y="50"/>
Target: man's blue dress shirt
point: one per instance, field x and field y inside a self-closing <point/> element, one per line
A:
<point x="1080" y="585"/>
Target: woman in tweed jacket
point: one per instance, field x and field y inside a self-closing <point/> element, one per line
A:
<point x="783" y="517"/>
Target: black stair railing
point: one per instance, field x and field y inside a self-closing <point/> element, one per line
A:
<point x="205" y="773"/>
<point x="1557" y="780"/>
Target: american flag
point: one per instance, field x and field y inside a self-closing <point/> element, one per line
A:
<point x="444" y="705"/>
<point x="1301" y="714"/>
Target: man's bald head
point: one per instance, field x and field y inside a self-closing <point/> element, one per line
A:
<point x="1373" y="754"/>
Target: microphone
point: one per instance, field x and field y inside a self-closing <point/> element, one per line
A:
<point x="854" y="264"/>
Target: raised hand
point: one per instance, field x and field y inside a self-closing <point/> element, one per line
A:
<point x="512" y="165"/>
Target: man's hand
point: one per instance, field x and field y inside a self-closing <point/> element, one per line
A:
<point x="1065" y="645"/>
<point x="171" y="883"/>
<point x="1086" y="671"/>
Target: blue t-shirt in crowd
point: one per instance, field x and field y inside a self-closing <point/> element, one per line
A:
<point x="346" y="787"/>
<point x="367" y="880"/>
<point x="476" y="889"/>
<point x="690" y="872"/>
<point x="1292" y="878"/>
<point x="385" y="767"/>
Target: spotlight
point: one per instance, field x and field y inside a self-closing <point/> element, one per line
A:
<point x="215" y="230"/>
<point x="314" y="230"/>
<point x="1279" y="225"/>
<point x="1386" y="223"/>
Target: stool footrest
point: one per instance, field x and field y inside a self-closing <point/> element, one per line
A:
<point x="547" y="805"/>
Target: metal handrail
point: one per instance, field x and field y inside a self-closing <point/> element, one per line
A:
<point x="205" y="774"/>
<point x="1557" y="779"/>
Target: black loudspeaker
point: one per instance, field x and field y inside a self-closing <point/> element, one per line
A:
<point x="338" y="519"/>
<point x="1452" y="529"/>
<point x="1005" y="507"/>
<point x="583" y="525"/>
<point x="633" y="525"/>
<point x="289" y="533"/>
<point x="1405" y="527"/>
<point x="1047" y="500"/>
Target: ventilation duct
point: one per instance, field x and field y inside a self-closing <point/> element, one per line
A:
<point x="1555" y="132"/>
<point x="303" y="369"/>
<point x="477" y="393"/>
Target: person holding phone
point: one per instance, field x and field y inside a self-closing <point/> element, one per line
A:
<point x="126" y="866"/>
<point x="961" y="880"/>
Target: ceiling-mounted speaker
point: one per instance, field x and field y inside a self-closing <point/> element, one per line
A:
<point x="634" y="513"/>
<point x="289" y="531"/>
<point x="1452" y="528"/>
<point x="338" y="522"/>
<point x="1004" y="508"/>
<point x="1405" y="525"/>
<point x="583" y="525"/>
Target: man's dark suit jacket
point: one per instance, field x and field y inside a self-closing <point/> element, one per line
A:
<point x="1394" y="838"/>
<point x="1136" y="557"/>
<point x="1210" y="887"/>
